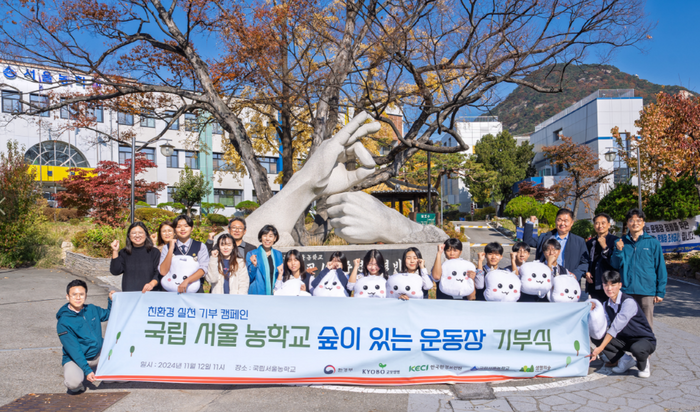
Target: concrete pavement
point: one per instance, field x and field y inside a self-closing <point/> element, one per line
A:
<point x="30" y="357"/>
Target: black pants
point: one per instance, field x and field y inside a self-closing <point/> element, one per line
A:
<point x="597" y="294"/>
<point x="641" y="349"/>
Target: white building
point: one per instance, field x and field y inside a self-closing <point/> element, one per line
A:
<point x="53" y="147"/>
<point x="588" y="122"/>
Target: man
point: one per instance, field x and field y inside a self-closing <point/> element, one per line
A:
<point x="574" y="255"/>
<point x="640" y="260"/>
<point x="237" y="229"/>
<point x="184" y="247"/>
<point x="79" y="328"/>
<point x="600" y="248"/>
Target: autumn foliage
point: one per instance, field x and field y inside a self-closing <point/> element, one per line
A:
<point x="105" y="192"/>
<point x="537" y="191"/>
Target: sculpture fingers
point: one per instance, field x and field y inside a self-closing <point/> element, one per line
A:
<point x="350" y="129"/>
<point x="337" y="211"/>
<point x="356" y="176"/>
<point x="359" y="151"/>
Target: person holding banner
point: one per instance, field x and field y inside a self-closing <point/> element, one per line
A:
<point x="293" y="268"/>
<point x="492" y="254"/>
<point x="640" y="259"/>
<point x="338" y="260"/>
<point x="190" y="254"/>
<point x="372" y="265"/>
<point x="413" y="264"/>
<point x="262" y="262"/>
<point x="79" y="328"/>
<point x="628" y="330"/>
<point x="227" y="272"/>
<point x="452" y="248"/>
<point x="137" y="262"/>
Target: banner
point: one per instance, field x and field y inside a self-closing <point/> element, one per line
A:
<point x="235" y="339"/>
<point x="676" y="235"/>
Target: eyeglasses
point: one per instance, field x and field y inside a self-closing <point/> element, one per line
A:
<point x="237" y="228"/>
<point x="635" y="221"/>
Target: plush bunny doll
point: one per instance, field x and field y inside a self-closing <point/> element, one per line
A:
<point x="181" y="267"/>
<point x="502" y="286"/>
<point x="330" y="286"/>
<point x="597" y="323"/>
<point x="454" y="281"/>
<point x="565" y="288"/>
<point x="370" y="287"/>
<point x="292" y="287"/>
<point x="409" y="284"/>
<point x="536" y="278"/>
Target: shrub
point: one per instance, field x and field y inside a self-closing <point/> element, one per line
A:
<point x="96" y="242"/>
<point x="172" y="206"/>
<point x="142" y="203"/>
<point x="616" y="203"/>
<point x="60" y="215"/>
<point x="74" y="222"/>
<point x="583" y="228"/>
<point x="247" y="206"/>
<point x="676" y="199"/>
<point x="524" y="207"/>
<point x="153" y="217"/>
<point x="548" y="213"/>
<point x="216" y="219"/>
<point x="210" y="208"/>
<point x="480" y="214"/>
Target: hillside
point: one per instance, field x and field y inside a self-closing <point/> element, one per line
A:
<point x="524" y="108"/>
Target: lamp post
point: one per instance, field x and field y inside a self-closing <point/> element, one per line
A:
<point x="165" y="149"/>
<point x="610" y="157"/>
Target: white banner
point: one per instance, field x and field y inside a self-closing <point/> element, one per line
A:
<point x="234" y="339"/>
<point x="676" y="235"/>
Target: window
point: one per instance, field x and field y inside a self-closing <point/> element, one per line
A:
<point x="148" y="121"/>
<point x="557" y="135"/>
<point x="173" y="161"/>
<point x="151" y="198"/>
<point x="228" y="197"/>
<point x="176" y="124"/>
<point x="39" y="101"/>
<point x="217" y="129"/>
<point x="150" y="153"/>
<point x="269" y="163"/>
<point x="545" y="172"/>
<point x="97" y="113"/>
<point x="124" y="154"/>
<point x="255" y="197"/>
<point x="218" y="161"/>
<point x="55" y="153"/>
<point x="192" y="160"/>
<point x="558" y="169"/>
<point x="10" y="102"/>
<point x="191" y="122"/>
<point x="171" y="192"/>
<point x="125" y="119"/>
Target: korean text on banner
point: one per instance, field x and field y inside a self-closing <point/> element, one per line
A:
<point x="234" y="339"/>
<point x="677" y="235"/>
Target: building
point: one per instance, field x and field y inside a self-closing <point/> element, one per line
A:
<point x="53" y="147"/>
<point x="589" y="122"/>
<point x="471" y="130"/>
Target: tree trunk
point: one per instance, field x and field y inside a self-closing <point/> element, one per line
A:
<point x="576" y="201"/>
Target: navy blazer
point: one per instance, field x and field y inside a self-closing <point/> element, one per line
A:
<point x="576" y="257"/>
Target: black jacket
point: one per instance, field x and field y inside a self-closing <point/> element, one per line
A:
<point x="600" y="259"/>
<point x="576" y="258"/>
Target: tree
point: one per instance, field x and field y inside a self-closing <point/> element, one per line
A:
<point x="616" y="203"/>
<point x="536" y="191"/>
<point x="676" y="199"/>
<point x="524" y="207"/>
<point x="191" y="189"/>
<point x="511" y="163"/>
<point x="581" y="165"/>
<point x="20" y="215"/>
<point x="105" y="192"/>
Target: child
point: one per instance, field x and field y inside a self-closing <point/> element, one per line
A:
<point x="550" y="253"/>
<point x="453" y="250"/>
<point x="293" y="268"/>
<point x="339" y="264"/>
<point x="414" y="265"/>
<point x="372" y="265"/>
<point x="227" y="272"/>
<point x="628" y="330"/>
<point x="80" y="330"/>
<point x="519" y="255"/>
<point x="492" y="254"/>
<point x="186" y="250"/>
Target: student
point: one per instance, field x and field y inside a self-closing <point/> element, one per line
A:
<point x="551" y="249"/>
<point x="262" y="263"/>
<point x="293" y="268"/>
<point x="79" y="328"/>
<point x="372" y="265"/>
<point x="338" y="263"/>
<point x="452" y="248"/>
<point x="166" y="232"/>
<point x="185" y="247"/>
<point x="600" y="249"/>
<point x="520" y="254"/>
<point x="413" y="264"/>
<point x="227" y="272"/>
<point x="628" y="330"/>
<point x="492" y="255"/>
<point x="137" y="262"/>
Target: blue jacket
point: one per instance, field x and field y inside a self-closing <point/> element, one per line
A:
<point x="259" y="279"/>
<point x="576" y="258"/>
<point x="81" y="333"/>
<point x="641" y="265"/>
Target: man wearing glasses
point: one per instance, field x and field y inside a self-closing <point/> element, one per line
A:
<point x="237" y="228"/>
<point x="640" y="260"/>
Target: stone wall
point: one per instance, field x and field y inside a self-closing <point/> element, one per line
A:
<point x="85" y="265"/>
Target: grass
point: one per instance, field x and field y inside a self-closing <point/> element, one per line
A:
<point x="54" y="234"/>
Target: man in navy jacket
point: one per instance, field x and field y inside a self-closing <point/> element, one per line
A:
<point x="574" y="256"/>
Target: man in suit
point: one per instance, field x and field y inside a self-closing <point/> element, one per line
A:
<point x="574" y="256"/>
<point x="237" y="228"/>
<point x="600" y="249"/>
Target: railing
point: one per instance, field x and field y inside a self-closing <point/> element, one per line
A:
<point x="470" y="119"/>
<point x="602" y="93"/>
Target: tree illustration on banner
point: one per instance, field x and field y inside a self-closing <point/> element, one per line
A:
<point x="577" y="346"/>
<point x="109" y="355"/>
<point x="132" y="351"/>
<point x="119" y="334"/>
<point x="568" y="361"/>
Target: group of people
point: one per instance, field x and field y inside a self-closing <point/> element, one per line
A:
<point x="626" y="276"/>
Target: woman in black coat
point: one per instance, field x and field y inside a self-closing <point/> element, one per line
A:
<point x="138" y="261"/>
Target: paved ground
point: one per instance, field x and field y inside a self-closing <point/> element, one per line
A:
<point x="30" y="361"/>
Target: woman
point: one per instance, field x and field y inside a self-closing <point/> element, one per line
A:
<point x="293" y="268"/>
<point x="262" y="262"/>
<point x="166" y="232"/>
<point x="138" y="261"/>
<point x="227" y="273"/>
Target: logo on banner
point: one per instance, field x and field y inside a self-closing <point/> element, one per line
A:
<point x="329" y="370"/>
<point x="418" y="368"/>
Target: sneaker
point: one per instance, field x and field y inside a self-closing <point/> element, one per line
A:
<point x="646" y="372"/>
<point x="624" y="364"/>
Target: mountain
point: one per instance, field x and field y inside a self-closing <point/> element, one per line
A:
<point x="524" y="108"/>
